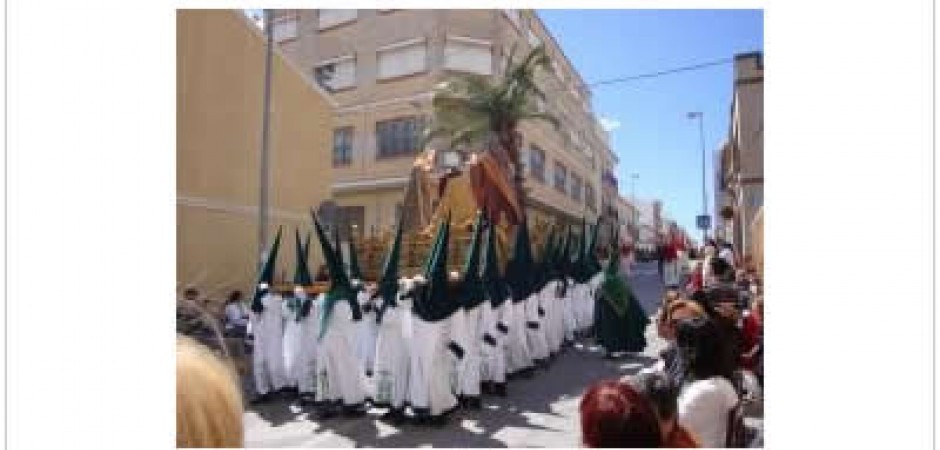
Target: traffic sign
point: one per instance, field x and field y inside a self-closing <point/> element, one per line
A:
<point x="703" y="222"/>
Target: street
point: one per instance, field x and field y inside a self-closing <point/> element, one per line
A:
<point x="539" y="412"/>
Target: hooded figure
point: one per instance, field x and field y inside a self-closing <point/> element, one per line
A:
<point x="566" y="288"/>
<point x="433" y="348"/>
<point x="494" y="319"/>
<point x="621" y="321"/>
<point x="301" y="328"/>
<point x="368" y="328"/>
<point x="267" y="323"/>
<point x="393" y="344"/>
<point x="582" y="289"/>
<point x="339" y="379"/>
<point x="550" y="311"/>
<point x="535" y="312"/>
<point x="594" y="275"/>
<point x="518" y="277"/>
<point x="468" y="328"/>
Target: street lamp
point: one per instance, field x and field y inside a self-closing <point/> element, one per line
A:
<point x="691" y="116"/>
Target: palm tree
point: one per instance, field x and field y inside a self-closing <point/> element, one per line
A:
<point x="485" y="112"/>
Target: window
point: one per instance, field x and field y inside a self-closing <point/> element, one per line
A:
<point x="537" y="163"/>
<point x="576" y="187"/>
<point x="468" y="55"/>
<point x="342" y="146"/>
<point x="589" y="199"/>
<point x="330" y="18"/>
<point x="398" y="137"/>
<point x="349" y="217"/>
<point x="561" y="177"/>
<point x="285" y="28"/>
<point x="514" y="16"/>
<point x="404" y="58"/>
<point x="337" y="73"/>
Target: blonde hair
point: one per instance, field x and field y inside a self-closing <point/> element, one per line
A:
<point x="208" y="399"/>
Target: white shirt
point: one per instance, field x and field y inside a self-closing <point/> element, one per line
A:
<point x="728" y="255"/>
<point x="235" y="314"/>
<point x="703" y="408"/>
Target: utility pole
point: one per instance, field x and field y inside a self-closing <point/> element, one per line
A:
<point x="265" y="138"/>
<point x="701" y="130"/>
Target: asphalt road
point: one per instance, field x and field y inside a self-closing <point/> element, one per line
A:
<point x="539" y="412"/>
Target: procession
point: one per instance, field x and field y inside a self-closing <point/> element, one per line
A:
<point x="468" y="271"/>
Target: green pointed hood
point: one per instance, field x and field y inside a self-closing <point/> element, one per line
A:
<point x="520" y="267"/>
<point x="338" y="250"/>
<point x="593" y="263"/>
<point x="388" y="281"/>
<point x="307" y="249"/>
<point x="471" y="286"/>
<point x="340" y="287"/>
<point x="301" y="271"/>
<point x="493" y="285"/>
<point x="614" y="288"/>
<point x="433" y="302"/>
<point x="354" y="271"/>
<point x="267" y="273"/>
<point x="544" y="265"/>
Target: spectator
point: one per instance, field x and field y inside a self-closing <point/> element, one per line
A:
<point x="727" y="254"/>
<point x="696" y="280"/>
<point x="708" y="398"/>
<point x="613" y="414"/>
<point x="752" y="358"/>
<point x="208" y="399"/>
<point x="727" y="317"/>
<point x="236" y="315"/>
<point x="670" y="360"/>
<point x="663" y="394"/>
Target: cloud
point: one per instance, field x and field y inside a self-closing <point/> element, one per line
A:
<point x="610" y="124"/>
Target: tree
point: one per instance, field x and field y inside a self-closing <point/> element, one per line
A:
<point x="484" y="112"/>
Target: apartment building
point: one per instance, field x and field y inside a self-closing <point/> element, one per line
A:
<point x="741" y="160"/>
<point x="381" y="67"/>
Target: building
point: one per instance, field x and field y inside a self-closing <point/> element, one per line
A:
<point x="220" y="82"/>
<point x="741" y="163"/>
<point x="629" y="217"/>
<point x="381" y="67"/>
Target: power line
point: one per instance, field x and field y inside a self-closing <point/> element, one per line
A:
<point x="663" y="72"/>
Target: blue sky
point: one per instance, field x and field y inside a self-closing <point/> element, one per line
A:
<point x="654" y="138"/>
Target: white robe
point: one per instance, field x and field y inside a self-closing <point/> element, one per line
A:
<point x="494" y="356"/>
<point x="366" y="337"/>
<point x="519" y="355"/>
<point x="268" y="357"/>
<point x="292" y="343"/>
<point x="305" y="365"/>
<point x="554" y="332"/>
<point x="432" y="375"/>
<point x="570" y="322"/>
<point x="469" y="335"/>
<point x="535" y="337"/>
<point x="338" y="374"/>
<point x="393" y="357"/>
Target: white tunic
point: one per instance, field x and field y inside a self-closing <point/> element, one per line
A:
<point x="519" y="355"/>
<point x="366" y="337"/>
<point x="431" y="377"/>
<point x="535" y="337"/>
<point x="494" y="357"/>
<point x="338" y="374"/>
<point x="570" y="323"/>
<point x="305" y="366"/>
<point x="469" y="335"/>
<point x="268" y="357"/>
<point x="393" y="357"/>
<point x="292" y="342"/>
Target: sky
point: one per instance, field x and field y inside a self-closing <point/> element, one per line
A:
<point x="649" y="130"/>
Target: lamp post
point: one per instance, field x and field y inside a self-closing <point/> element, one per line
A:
<point x="701" y="130"/>
<point x="265" y="138"/>
<point x="636" y="229"/>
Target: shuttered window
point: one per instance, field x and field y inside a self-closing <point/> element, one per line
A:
<point x="333" y="17"/>
<point x="561" y="177"/>
<point x="342" y="146"/>
<point x="399" y="137"/>
<point x="537" y="163"/>
<point x="403" y="59"/>
<point x="338" y="73"/>
<point x="576" y="187"/>
<point x="468" y="55"/>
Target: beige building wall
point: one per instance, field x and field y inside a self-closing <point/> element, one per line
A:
<point x="378" y="183"/>
<point x="747" y="144"/>
<point x="220" y="76"/>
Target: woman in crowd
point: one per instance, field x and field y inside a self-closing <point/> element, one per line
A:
<point x="752" y="358"/>
<point x="670" y="359"/>
<point x="208" y="400"/>
<point x="614" y="414"/>
<point x="707" y="396"/>
<point x="663" y="394"/>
